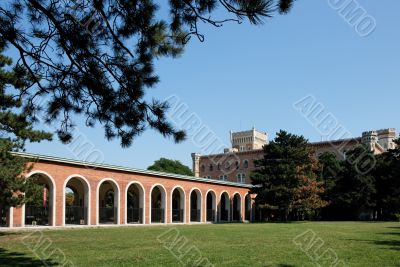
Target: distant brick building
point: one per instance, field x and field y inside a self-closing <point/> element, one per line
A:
<point x="236" y="163"/>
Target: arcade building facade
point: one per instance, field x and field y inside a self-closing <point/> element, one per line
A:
<point x="89" y="194"/>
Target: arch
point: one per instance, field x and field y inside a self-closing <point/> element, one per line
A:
<point x="178" y="204"/>
<point x="110" y="214"/>
<point x="135" y="211"/>
<point x="158" y="200"/>
<point x="81" y="210"/>
<point x="5" y="216"/>
<point x="237" y="207"/>
<point x="41" y="213"/>
<point x="248" y="209"/>
<point x="224" y="207"/>
<point x="195" y="197"/>
<point x="211" y="206"/>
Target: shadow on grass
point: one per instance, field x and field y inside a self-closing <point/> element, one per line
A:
<point x="394" y="227"/>
<point x="386" y="244"/>
<point x="7" y="233"/>
<point x="392" y="233"/>
<point x="389" y="244"/>
<point x="8" y="258"/>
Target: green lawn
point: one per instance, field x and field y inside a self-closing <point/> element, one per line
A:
<point x="354" y="243"/>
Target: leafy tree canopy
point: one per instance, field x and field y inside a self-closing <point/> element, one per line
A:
<point x="170" y="166"/>
<point x="95" y="57"/>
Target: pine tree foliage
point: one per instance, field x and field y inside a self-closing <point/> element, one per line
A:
<point x="95" y="58"/>
<point x="15" y="130"/>
<point x="387" y="179"/>
<point x="285" y="181"/>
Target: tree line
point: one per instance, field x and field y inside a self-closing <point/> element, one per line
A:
<point x="293" y="183"/>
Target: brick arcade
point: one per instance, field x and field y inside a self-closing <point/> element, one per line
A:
<point x="114" y="195"/>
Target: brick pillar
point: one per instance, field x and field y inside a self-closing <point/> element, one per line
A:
<point x="147" y="205"/>
<point x="204" y="207"/>
<point x="187" y="206"/>
<point x="230" y="215"/>
<point x="243" y="208"/>
<point x="94" y="205"/>
<point x="122" y="204"/>
<point x="57" y="207"/>
<point x="16" y="217"/>
<point x="168" y="205"/>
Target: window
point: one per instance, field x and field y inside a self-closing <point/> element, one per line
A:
<point x="241" y="178"/>
<point x="227" y="165"/>
<point x="246" y="164"/>
<point x="223" y="177"/>
<point x="218" y="166"/>
<point x="203" y="168"/>
<point x="237" y="165"/>
<point x="211" y="167"/>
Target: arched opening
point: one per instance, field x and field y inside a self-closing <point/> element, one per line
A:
<point x="108" y="203"/>
<point x="224" y="207"/>
<point x="3" y="216"/>
<point x="195" y="206"/>
<point x="76" y="201"/>
<point x="248" y="208"/>
<point x="211" y="206"/>
<point x="178" y="205"/>
<point x="39" y="207"/>
<point x="237" y="207"/>
<point x="158" y="205"/>
<point x="134" y="204"/>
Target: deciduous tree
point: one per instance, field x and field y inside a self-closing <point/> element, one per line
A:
<point x="170" y="166"/>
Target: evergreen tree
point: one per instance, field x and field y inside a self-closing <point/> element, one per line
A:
<point x="170" y="166"/>
<point x="285" y="181"/>
<point x="95" y="57"/>
<point x="15" y="130"/>
<point x="354" y="189"/>
<point x="330" y="168"/>
<point x="387" y="178"/>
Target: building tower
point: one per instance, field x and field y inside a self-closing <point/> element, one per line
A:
<point x="248" y="140"/>
<point x="386" y="137"/>
<point x="370" y="138"/>
<point x="196" y="164"/>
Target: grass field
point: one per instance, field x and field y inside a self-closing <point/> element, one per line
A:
<point x="291" y="244"/>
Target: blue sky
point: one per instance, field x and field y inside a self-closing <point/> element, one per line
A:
<point x="244" y="76"/>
